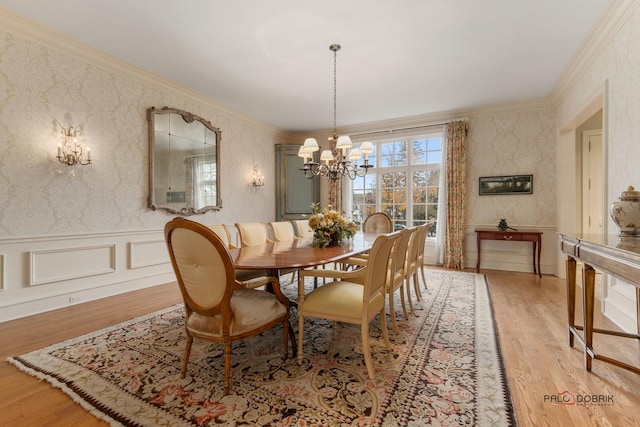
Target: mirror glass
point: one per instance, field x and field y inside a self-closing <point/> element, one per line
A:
<point x="184" y="151"/>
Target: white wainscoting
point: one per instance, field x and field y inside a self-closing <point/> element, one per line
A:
<point x="620" y="305"/>
<point x="43" y="273"/>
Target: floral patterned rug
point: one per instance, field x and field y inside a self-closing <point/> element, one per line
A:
<point x="445" y="369"/>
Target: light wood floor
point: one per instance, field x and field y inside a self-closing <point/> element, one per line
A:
<point x="531" y="318"/>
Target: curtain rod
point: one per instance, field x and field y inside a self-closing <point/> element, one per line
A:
<point x="410" y="128"/>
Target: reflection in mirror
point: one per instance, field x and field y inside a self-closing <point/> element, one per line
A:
<point x="184" y="151"/>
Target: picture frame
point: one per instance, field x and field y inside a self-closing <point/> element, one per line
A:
<point x="505" y="184"/>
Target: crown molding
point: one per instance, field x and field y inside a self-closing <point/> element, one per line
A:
<point x="614" y="16"/>
<point x="13" y="23"/>
<point x="431" y="119"/>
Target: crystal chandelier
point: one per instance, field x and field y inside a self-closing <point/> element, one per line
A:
<point x="342" y="160"/>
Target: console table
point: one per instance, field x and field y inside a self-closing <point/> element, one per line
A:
<point x="512" y="236"/>
<point x="613" y="255"/>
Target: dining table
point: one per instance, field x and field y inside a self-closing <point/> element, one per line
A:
<point x="298" y="253"/>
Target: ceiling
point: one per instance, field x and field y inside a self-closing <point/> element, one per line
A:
<point x="271" y="59"/>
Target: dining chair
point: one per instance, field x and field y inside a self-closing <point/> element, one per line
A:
<point x="411" y="269"/>
<point x="302" y="228"/>
<point x="396" y="274"/>
<point x="377" y="223"/>
<point x="252" y="233"/>
<point x="355" y="296"/>
<point x="222" y="231"/>
<point x="218" y="307"/>
<point x="422" y="243"/>
<point x="283" y="232"/>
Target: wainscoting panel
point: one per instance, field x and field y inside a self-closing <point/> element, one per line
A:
<point x="147" y="253"/>
<point x="71" y="263"/>
<point x="620" y="305"/>
<point x="43" y="273"/>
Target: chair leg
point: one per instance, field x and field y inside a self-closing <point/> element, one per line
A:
<point x="227" y="366"/>
<point x="424" y="280"/>
<point x="300" y="334"/>
<point x="187" y="352"/>
<point x="407" y="287"/>
<point x="392" y="311"/>
<point x="416" y="286"/>
<point x="404" y="305"/>
<point x="383" y="324"/>
<point x="285" y="332"/>
<point x="364" y="327"/>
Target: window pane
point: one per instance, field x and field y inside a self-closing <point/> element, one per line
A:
<point x="408" y="192"/>
<point x="434" y="144"/>
<point x="419" y="152"/>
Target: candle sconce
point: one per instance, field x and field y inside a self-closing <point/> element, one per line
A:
<point x="257" y="179"/>
<point x="70" y="151"/>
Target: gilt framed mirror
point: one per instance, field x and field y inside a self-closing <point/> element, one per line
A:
<point x="184" y="162"/>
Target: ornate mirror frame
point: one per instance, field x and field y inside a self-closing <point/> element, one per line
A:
<point x="184" y="162"/>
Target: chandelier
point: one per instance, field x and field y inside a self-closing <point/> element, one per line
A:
<point x="342" y="160"/>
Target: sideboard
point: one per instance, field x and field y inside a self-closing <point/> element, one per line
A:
<point x="619" y="257"/>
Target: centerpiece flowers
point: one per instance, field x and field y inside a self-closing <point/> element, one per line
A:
<point x="329" y="227"/>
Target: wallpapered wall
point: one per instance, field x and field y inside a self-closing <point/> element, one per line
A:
<point x="513" y="143"/>
<point x="39" y="86"/>
<point x="619" y="65"/>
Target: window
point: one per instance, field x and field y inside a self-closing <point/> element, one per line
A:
<point x="404" y="181"/>
<point x="205" y="180"/>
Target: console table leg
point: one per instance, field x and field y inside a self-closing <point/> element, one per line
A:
<point x="571" y="297"/>
<point x="588" y="291"/>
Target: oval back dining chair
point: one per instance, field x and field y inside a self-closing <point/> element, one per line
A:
<point x="218" y="307"/>
<point x="377" y="223"/>
<point x="353" y="297"/>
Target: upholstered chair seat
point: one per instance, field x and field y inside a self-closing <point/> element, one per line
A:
<point x="250" y="309"/>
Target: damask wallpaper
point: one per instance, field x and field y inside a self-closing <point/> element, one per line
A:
<point x="513" y="143"/>
<point x="40" y="86"/>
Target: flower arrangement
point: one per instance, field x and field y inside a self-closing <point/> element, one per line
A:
<point x="329" y="227"/>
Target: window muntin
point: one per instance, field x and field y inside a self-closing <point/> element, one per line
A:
<point x="405" y="182"/>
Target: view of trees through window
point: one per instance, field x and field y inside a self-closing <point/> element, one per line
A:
<point x="404" y="182"/>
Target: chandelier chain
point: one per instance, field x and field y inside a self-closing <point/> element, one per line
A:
<point x="335" y="84"/>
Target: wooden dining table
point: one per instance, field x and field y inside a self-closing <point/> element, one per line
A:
<point x="298" y="253"/>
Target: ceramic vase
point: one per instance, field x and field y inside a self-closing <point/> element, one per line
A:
<point x="626" y="212"/>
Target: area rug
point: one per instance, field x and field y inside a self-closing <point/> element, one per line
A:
<point x="444" y="369"/>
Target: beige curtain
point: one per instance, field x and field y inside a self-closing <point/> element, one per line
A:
<point x="456" y="184"/>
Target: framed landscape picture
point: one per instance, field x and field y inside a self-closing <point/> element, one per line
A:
<point x="506" y="184"/>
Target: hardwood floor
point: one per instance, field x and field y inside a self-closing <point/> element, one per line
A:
<point x="530" y="315"/>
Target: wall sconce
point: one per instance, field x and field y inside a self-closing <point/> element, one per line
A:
<point x="70" y="151"/>
<point x="257" y="180"/>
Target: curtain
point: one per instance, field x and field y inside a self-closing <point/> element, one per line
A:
<point x="456" y="184"/>
<point x="441" y="220"/>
